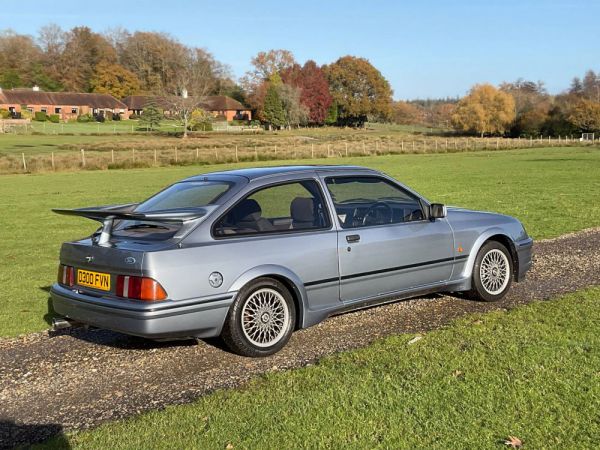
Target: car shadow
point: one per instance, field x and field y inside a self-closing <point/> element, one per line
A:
<point x="22" y="436"/>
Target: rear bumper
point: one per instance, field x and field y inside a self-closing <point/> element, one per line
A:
<point x="202" y="317"/>
<point x="524" y="254"/>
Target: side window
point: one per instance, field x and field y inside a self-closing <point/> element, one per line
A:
<point x="366" y="201"/>
<point x="283" y="207"/>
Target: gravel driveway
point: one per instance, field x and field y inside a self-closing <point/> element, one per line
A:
<point x="51" y="384"/>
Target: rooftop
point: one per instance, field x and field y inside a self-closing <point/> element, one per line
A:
<point x="252" y="173"/>
<point x="35" y="97"/>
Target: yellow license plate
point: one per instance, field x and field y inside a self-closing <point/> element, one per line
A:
<point x="96" y="280"/>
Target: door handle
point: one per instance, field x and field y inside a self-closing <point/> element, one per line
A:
<point x="352" y="238"/>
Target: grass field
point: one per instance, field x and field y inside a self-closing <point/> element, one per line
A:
<point x="531" y="373"/>
<point x="552" y="191"/>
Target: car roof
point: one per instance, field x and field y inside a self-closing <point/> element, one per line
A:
<point x="253" y="173"/>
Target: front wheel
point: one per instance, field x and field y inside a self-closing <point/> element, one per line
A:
<point x="492" y="273"/>
<point x="261" y="320"/>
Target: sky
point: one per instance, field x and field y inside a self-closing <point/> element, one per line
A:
<point x="426" y="48"/>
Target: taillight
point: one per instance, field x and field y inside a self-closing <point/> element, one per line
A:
<point x="140" y="288"/>
<point x="66" y="275"/>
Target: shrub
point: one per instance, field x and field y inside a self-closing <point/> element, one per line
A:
<point x="203" y="126"/>
<point x="40" y="116"/>
<point x="84" y="118"/>
<point x="54" y="118"/>
<point x="4" y="114"/>
<point x="25" y="114"/>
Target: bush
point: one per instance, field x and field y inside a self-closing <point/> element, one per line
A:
<point x="4" y="114"/>
<point x="204" y="126"/>
<point x="25" y="114"/>
<point x="100" y="118"/>
<point x="54" y="118"/>
<point x="40" y="116"/>
<point x="84" y="118"/>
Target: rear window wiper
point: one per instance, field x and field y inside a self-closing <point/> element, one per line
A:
<point x="145" y="225"/>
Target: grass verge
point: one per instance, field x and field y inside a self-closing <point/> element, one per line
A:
<point x="552" y="191"/>
<point x="533" y="372"/>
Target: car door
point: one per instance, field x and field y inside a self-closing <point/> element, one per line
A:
<point x="386" y="243"/>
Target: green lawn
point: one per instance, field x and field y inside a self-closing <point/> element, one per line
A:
<point x="553" y="191"/>
<point x="532" y="372"/>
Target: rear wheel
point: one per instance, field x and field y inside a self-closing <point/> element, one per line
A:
<point x="261" y="320"/>
<point x="492" y="273"/>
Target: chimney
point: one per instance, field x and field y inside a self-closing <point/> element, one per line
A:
<point x="35" y="88"/>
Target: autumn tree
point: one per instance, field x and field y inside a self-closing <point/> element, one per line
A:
<point x="360" y="91"/>
<point x="273" y="111"/>
<point x="115" y="80"/>
<point x="84" y="50"/>
<point x="295" y="113"/>
<point x="265" y="64"/>
<point x="18" y="55"/>
<point x="484" y="110"/>
<point x="314" y="89"/>
<point x="585" y="116"/>
<point x="532" y="104"/>
<point x="407" y="113"/>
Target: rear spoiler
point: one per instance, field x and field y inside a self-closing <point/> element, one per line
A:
<point x="108" y="214"/>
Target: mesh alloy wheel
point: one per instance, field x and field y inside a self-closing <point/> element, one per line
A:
<point x="261" y="319"/>
<point x="265" y="317"/>
<point x="494" y="271"/>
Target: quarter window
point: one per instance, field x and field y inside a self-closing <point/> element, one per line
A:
<point x="366" y="201"/>
<point x="296" y="206"/>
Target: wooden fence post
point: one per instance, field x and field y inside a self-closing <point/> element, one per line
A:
<point x="24" y="163"/>
<point x="155" y="158"/>
<point x="133" y="155"/>
<point x="312" y="151"/>
<point x="112" y="156"/>
<point x="364" y="150"/>
<point x="53" y="161"/>
<point x="197" y="153"/>
<point x="346" y="145"/>
<point x="255" y="153"/>
<point x="236" y="154"/>
<point x="328" y="150"/>
<point x="176" y="156"/>
<point x="83" y="157"/>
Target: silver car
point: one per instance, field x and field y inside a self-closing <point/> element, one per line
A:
<point x="254" y="254"/>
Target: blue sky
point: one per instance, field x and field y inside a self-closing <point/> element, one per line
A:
<point x="424" y="48"/>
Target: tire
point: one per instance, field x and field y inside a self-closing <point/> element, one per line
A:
<point x="492" y="273"/>
<point x="261" y="319"/>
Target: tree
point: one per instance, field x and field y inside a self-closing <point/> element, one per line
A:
<point x="585" y="116"/>
<point x="274" y="114"/>
<point x="332" y="114"/>
<point x="294" y="111"/>
<point x="193" y="82"/>
<point x="18" y="54"/>
<point x="532" y="104"/>
<point x="115" y="80"/>
<point x="484" y="110"/>
<point x="407" y="113"/>
<point x="266" y="64"/>
<point x="84" y="50"/>
<point x="151" y="116"/>
<point x="314" y="89"/>
<point x="359" y="90"/>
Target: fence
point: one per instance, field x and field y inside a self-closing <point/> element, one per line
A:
<point x="125" y="158"/>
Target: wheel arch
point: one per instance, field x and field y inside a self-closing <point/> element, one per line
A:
<point x="497" y="235"/>
<point x="288" y="278"/>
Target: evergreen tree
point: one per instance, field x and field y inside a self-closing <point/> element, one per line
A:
<point x="273" y="110"/>
<point x="151" y="116"/>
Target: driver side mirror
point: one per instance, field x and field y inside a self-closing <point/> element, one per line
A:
<point x="437" y="211"/>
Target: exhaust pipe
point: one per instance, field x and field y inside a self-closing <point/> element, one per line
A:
<point x="61" y="323"/>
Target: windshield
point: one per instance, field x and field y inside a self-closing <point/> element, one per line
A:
<point x="188" y="194"/>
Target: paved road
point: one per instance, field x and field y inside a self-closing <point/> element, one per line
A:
<point x="49" y="384"/>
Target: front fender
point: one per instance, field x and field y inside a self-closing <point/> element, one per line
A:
<point x="481" y="239"/>
<point x="277" y="271"/>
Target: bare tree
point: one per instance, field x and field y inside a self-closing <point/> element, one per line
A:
<point x="194" y="81"/>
